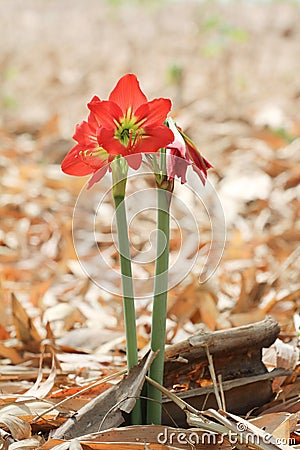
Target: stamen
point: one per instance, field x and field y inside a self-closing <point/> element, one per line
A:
<point x="99" y="151"/>
<point x="128" y="113"/>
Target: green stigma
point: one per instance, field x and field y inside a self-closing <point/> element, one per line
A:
<point x="129" y="130"/>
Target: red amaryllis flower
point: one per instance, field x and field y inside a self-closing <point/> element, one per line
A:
<point x="126" y="124"/>
<point x="183" y="153"/>
<point x="129" y="123"/>
<point x="87" y="156"/>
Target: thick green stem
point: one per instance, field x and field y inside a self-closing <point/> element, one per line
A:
<point x="127" y="286"/>
<point x="128" y="295"/>
<point x="158" y="333"/>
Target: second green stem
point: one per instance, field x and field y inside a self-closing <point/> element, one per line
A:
<point x="128" y="294"/>
<point x="158" y="333"/>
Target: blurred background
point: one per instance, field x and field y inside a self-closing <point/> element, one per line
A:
<point x="235" y="60"/>
<point x="231" y="69"/>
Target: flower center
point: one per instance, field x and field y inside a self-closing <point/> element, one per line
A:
<point x="125" y="135"/>
<point x="129" y="130"/>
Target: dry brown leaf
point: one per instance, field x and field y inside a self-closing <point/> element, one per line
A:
<point x="4" y="334"/>
<point x="31" y="411"/>
<point x="27" y="444"/>
<point x="242" y="304"/>
<point x="18" y="427"/>
<point x="106" y="410"/>
<point x="207" y="311"/>
<point x="196" y="304"/>
<point x="26" y="332"/>
<point x="167" y="437"/>
<point x="280" y="354"/>
<point x="41" y="388"/>
<point x="38" y="291"/>
<point x="5" y="314"/>
<point x="280" y="425"/>
<point x="74" y="444"/>
<point x="253" y="316"/>
<point x="289" y="406"/>
<point x="293" y="180"/>
<point x="65" y="313"/>
<point x="273" y="140"/>
<point x="237" y="248"/>
<point x="50" y="128"/>
<point x="10" y="353"/>
<point x="63" y="445"/>
<point x="17" y="372"/>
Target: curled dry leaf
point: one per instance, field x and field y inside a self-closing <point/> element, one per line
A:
<point x="26" y="444"/>
<point x="25" y="329"/>
<point x="32" y="410"/>
<point x="42" y="388"/>
<point x="106" y="410"/>
<point x="280" y="424"/>
<point x="281" y="354"/>
<point x="195" y="304"/>
<point x="18" y="427"/>
<point x="247" y="432"/>
<point x="74" y="444"/>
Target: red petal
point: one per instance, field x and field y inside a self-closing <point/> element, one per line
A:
<point x="202" y="175"/>
<point x="155" y="111"/>
<point x="207" y="163"/>
<point x="176" y="165"/>
<point x="178" y="146"/>
<point x="98" y="176"/>
<point x="106" y="112"/>
<point x="128" y="93"/>
<point x="95" y="99"/>
<point x="197" y="158"/>
<point x="154" y="139"/>
<point x="93" y="121"/>
<point x="85" y="136"/>
<point x="80" y="131"/>
<point x="73" y="165"/>
<point x="110" y="143"/>
<point x="134" y="160"/>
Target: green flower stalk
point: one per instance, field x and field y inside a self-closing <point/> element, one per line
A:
<point x="159" y="313"/>
<point x="119" y="169"/>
